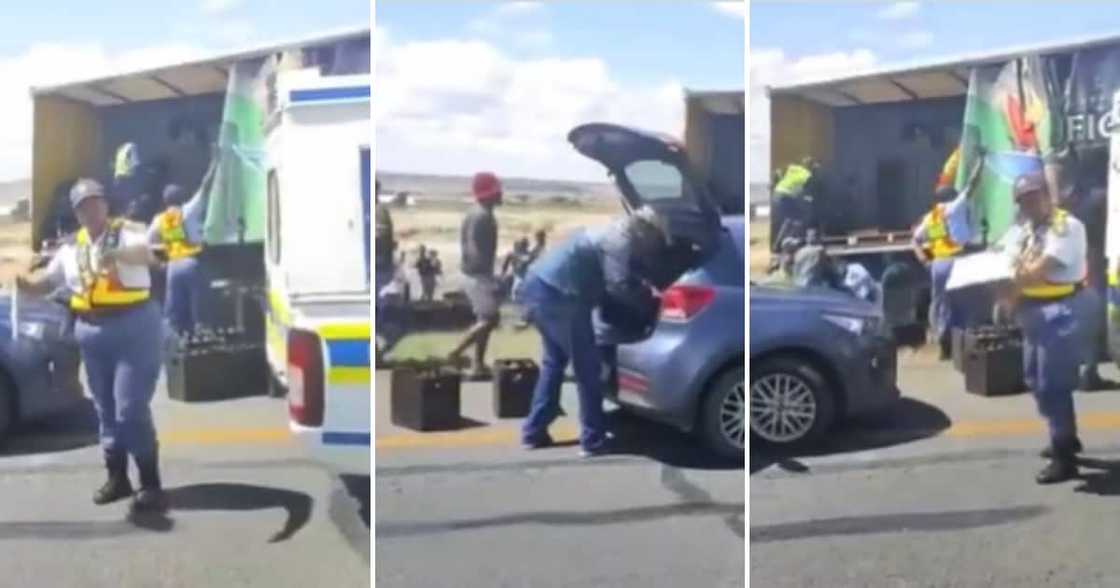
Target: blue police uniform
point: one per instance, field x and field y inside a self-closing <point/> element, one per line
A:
<point x="119" y="336"/>
<point x="1052" y="317"/>
<point x="560" y="293"/>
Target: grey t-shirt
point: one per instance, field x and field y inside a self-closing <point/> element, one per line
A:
<point x="479" y="242"/>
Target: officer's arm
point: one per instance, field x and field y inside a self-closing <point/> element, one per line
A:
<point x="42" y="282"/>
<point x="1033" y="271"/>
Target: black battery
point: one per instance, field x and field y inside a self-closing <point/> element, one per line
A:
<point x="209" y="369"/>
<point x="514" y="380"/>
<point x="992" y="358"/>
<point x="425" y="399"/>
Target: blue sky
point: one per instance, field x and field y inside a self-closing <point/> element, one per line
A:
<point x="822" y="37"/>
<point x="42" y="43"/>
<point x="471" y="85"/>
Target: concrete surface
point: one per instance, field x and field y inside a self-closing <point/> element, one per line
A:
<point x="940" y="492"/>
<point x="470" y="508"/>
<point x="248" y="507"/>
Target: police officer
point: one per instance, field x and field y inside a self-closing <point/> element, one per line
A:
<point x="1048" y="248"/>
<point x="177" y="230"/>
<point x="118" y="333"/>
<point x="559" y="293"/>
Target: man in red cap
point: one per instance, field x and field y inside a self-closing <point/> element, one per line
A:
<point x="1049" y="253"/>
<point x="479" y="245"/>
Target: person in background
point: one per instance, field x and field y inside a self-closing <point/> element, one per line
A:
<point x="119" y="336"/>
<point x="559" y="293"/>
<point x="515" y="264"/>
<point x="941" y="236"/>
<point x="1085" y="197"/>
<point x="424" y="269"/>
<point x="1048" y="252"/>
<point x="479" y="246"/>
<point x="540" y="241"/>
<point x="436" y="269"/>
<point x="178" y="233"/>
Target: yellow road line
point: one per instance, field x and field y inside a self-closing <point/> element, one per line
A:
<point x="1094" y="421"/>
<point x="477" y="437"/>
<point x="566" y="432"/>
<point x="225" y="436"/>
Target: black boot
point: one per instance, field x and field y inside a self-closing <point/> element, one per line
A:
<point x="151" y="496"/>
<point x="1048" y="451"/>
<point x="117" y="485"/>
<point x="1063" y="464"/>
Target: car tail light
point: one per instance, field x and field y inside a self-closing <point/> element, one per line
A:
<point x="681" y="303"/>
<point x="305" y="378"/>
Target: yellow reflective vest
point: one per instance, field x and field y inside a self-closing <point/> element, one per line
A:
<point x="1050" y="291"/>
<point x="174" y="236"/>
<point x="101" y="289"/>
<point x="793" y="180"/>
<point x="941" y="245"/>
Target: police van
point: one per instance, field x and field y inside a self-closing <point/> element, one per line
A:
<point x="317" y="249"/>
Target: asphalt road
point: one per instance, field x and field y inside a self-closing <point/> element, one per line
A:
<point x="248" y="507"/>
<point x="939" y="493"/>
<point x="471" y="509"/>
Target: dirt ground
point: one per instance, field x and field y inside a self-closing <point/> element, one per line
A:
<point x="436" y="226"/>
<point x="759" y="247"/>
<point x="15" y="250"/>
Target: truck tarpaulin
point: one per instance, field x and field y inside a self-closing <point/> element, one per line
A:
<point x="1012" y="116"/>
<point x="236" y="201"/>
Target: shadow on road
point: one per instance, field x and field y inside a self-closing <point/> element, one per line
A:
<point x="1105" y="481"/>
<point x="638" y="436"/>
<point x="583" y="517"/>
<point x="894" y="523"/>
<point x="73" y="429"/>
<point x="908" y="421"/>
<point x="233" y="497"/>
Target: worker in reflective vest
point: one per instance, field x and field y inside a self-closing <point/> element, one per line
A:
<point x="938" y="239"/>
<point x="187" y="286"/>
<point x="118" y="332"/>
<point x="1049" y="254"/>
<point x="793" y="201"/>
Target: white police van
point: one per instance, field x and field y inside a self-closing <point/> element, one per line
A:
<point x="317" y="249"/>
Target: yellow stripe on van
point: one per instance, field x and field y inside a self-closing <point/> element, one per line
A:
<point x="351" y="331"/>
<point x="348" y="376"/>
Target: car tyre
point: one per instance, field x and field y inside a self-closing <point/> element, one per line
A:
<point x="723" y="423"/>
<point x="800" y="384"/>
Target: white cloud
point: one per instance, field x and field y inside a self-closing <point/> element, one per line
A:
<point x="48" y="64"/>
<point x="456" y="106"/>
<point x="915" y="40"/>
<point x="219" y="6"/>
<point x="519" y="7"/>
<point x="899" y="11"/>
<point x="734" y="9"/>
<point x="522" y="23"/>
<point x="769" y="66"/>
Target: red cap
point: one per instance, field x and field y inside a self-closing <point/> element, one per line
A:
<point x="486" y="187"/>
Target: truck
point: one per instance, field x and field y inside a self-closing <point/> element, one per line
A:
<point x="285" y="129"/>
<point x="883" y="135"/>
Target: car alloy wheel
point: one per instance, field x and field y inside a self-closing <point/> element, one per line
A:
<point x="783" y="409"/>
<point x="731" y="416"/>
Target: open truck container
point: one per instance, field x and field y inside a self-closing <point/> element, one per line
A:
<point x="714" y="140"/>
<point x="293" y="172"/>
<point x="882" y="137"/>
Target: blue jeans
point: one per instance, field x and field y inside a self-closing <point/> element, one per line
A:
<point x="187" y="289"/>
<point x="567" y="335"/>
<point x="941" y="311"/>
<point x="121" y="354"/>
<point x="1053" y="350"/>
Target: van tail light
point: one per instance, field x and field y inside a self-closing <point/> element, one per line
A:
<point x="305" y="378"/>
<point x="681" y="303"/>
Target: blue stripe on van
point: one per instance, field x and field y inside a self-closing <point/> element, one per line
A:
<point x="327" y="94"/>
<point x="336" y="438"/>
<point x="348" y="353"/>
